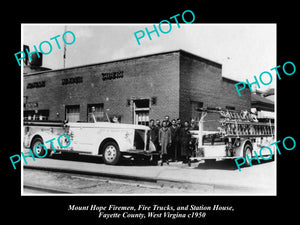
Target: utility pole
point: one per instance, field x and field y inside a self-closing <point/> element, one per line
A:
<point x="65" y="50"/>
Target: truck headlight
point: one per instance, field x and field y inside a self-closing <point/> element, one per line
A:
<point x="237" y="142"/>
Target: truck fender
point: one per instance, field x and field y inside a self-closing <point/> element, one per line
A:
<point x="103" y="142"/>
<point x="45" y="136"/>
<point x="239" y="150"/>
<point x="123" y="145"/>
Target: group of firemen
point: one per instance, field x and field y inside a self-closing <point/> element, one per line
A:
<point x="172" y="139"/>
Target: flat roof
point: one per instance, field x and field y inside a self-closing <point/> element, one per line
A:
<point x="131" y="58"/>
<point x="229" y="80"/>
<point x="257" y="99"/>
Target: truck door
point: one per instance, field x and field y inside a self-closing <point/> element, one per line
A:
<point x="83" y="138"/>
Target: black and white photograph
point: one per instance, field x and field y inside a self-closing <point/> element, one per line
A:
<point x="122" y="109"/>
<point x="163" y="115"/>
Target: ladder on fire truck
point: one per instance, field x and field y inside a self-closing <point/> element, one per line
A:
<point x="237" y="125"/>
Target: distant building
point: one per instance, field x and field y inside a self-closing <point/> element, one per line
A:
<point x="35" y="65"/>
<point x="262" y="103"/>
<point x="269" y="94"/>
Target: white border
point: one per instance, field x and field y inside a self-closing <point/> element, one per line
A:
<point x="141" y="24"/>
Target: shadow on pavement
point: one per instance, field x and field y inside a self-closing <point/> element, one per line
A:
<point x="77" y="158"/>
<point x="213" y="164"/>
<point x="226" y="164"/>
<point x="97" y="159"/>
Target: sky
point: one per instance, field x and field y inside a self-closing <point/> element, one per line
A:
<point x="244" y="50"/>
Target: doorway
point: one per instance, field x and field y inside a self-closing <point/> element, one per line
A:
<point x="141" y="111"/>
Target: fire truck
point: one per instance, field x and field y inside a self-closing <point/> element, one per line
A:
<point x="109" y="140"/>
<point x="229" y="134"/>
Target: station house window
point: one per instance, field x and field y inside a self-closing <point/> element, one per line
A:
<point x="72" y="113"/>
<point x="41" y="114"/>
<point x="99" y="112"/>
<point x="141" y="111"/>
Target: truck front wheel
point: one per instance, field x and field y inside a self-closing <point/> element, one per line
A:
<point x="111" y="153"/>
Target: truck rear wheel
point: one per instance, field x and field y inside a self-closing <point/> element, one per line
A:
<point x="111" y="153"/>
<point x="40" y="150"/>
<point x="247" y="151"/>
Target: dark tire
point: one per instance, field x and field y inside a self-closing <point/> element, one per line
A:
<point x="247" y="151"/>
<point x="40" y="151"/>
<point x="154" y="161"/>
<point x="111" y="153"/>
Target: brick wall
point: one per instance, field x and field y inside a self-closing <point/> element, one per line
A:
<point x="201" y="81"/>
<point x="143" y="77"/>
<point x="150" y="76"/>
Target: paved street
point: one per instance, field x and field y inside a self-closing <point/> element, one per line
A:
<point x="79" y="184"/>
<point x="87" y="174"/>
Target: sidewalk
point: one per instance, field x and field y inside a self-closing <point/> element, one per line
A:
<point x="259" y="179"/>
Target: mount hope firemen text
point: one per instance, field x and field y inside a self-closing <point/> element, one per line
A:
<point x="151" y="211"/>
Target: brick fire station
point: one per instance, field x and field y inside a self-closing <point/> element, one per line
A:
<point x="135" y="89"/>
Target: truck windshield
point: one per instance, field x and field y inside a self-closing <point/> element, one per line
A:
<point x="98" y="117"/>
<point x="104" y="117"/>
